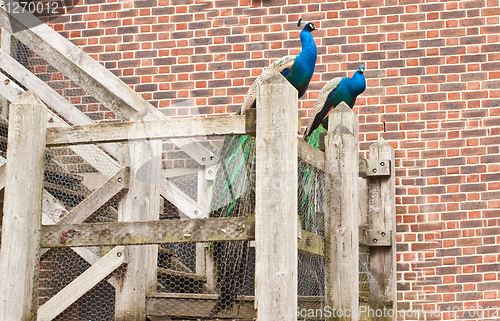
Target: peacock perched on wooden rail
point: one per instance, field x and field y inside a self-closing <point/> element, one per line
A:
<point x="333" y="93"/>
<point x="234" y="184"/>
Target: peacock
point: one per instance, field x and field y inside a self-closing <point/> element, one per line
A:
<point x="333" y="93"/>
<point x="234" y="185"/>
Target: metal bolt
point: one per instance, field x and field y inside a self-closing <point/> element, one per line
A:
<point x="210" y="171"/>
<point x="195" y="211"/>
<point x="383" y="233"/>
<point x="375" y="240"/>
<point x="119" y="254"/>
<point x="6" y="81"/>
<point x="382" y="164"/>
<point x="374" y="170"/>
<point x="120" y="179"/>
<point x="203" y="159"/>
<point x="211" y="158"/>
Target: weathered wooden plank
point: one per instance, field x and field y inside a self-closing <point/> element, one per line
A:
<point x="180" y="305"/>
<point x="180" y="274"/>
<point x="82" y="284"/>
<point x="154" y="232"/>
<point x="19" y="257"/>
<point x="382" y="216"/>
<point x="342" y="221"/>
<point x="141" y="203"/>
<point x="98" y="198"/>
<point x="6" y="42"/>
<point x="9" y="89"/>
<point x="181" y="200"/>
<point x="3" y="175"/>
<point x="276" y="217"/>
<point x="157" y="129"/>
<point x="311" y="155"/>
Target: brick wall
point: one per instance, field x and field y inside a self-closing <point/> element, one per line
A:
<point x="433" y="91"/>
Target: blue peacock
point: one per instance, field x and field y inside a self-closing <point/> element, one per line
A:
<point x="234" y="184"/>
<point x="333" y="93"/>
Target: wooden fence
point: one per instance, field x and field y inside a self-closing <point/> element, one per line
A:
<point x="359" y="195"/>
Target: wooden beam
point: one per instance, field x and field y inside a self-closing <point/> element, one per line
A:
<point x="311" y="155"/>
<point x="5" y="45"/>
<point x="181" y="274"/>
<point x="82" y="284"/>
<point x="382" y="217"/>
<point x="156" y="129"/>
<point x="180" y="305"/>
<point x="181" y="200"/>
<point x="19" y="257"/>
<point x="196" y="151"/>
<point x="3" y="177"/>
<point x="342" y="217"/>
<point x="154" y="232"/>
<point x="276" y="217"/>
<point x="140" y="204"/>
<point x="98" y="198"/>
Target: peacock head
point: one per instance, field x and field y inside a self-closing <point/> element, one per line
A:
<point x="308" y="27"/>
<point x="361" y="69"/>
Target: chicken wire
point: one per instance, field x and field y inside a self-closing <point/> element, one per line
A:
<point x="311" y="210"/>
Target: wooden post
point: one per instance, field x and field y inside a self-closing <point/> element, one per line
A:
<point x="382" y="216"/>
<point x="19" y="256"/>
<point x="204" y="260"/>
<point x="342" y="216"/>
<point x="276" y="201"/>
<point x="142" y="203"/>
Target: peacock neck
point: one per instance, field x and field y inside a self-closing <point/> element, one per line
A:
<point x="309" y="52"/>
<point x="357" y="83"/>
